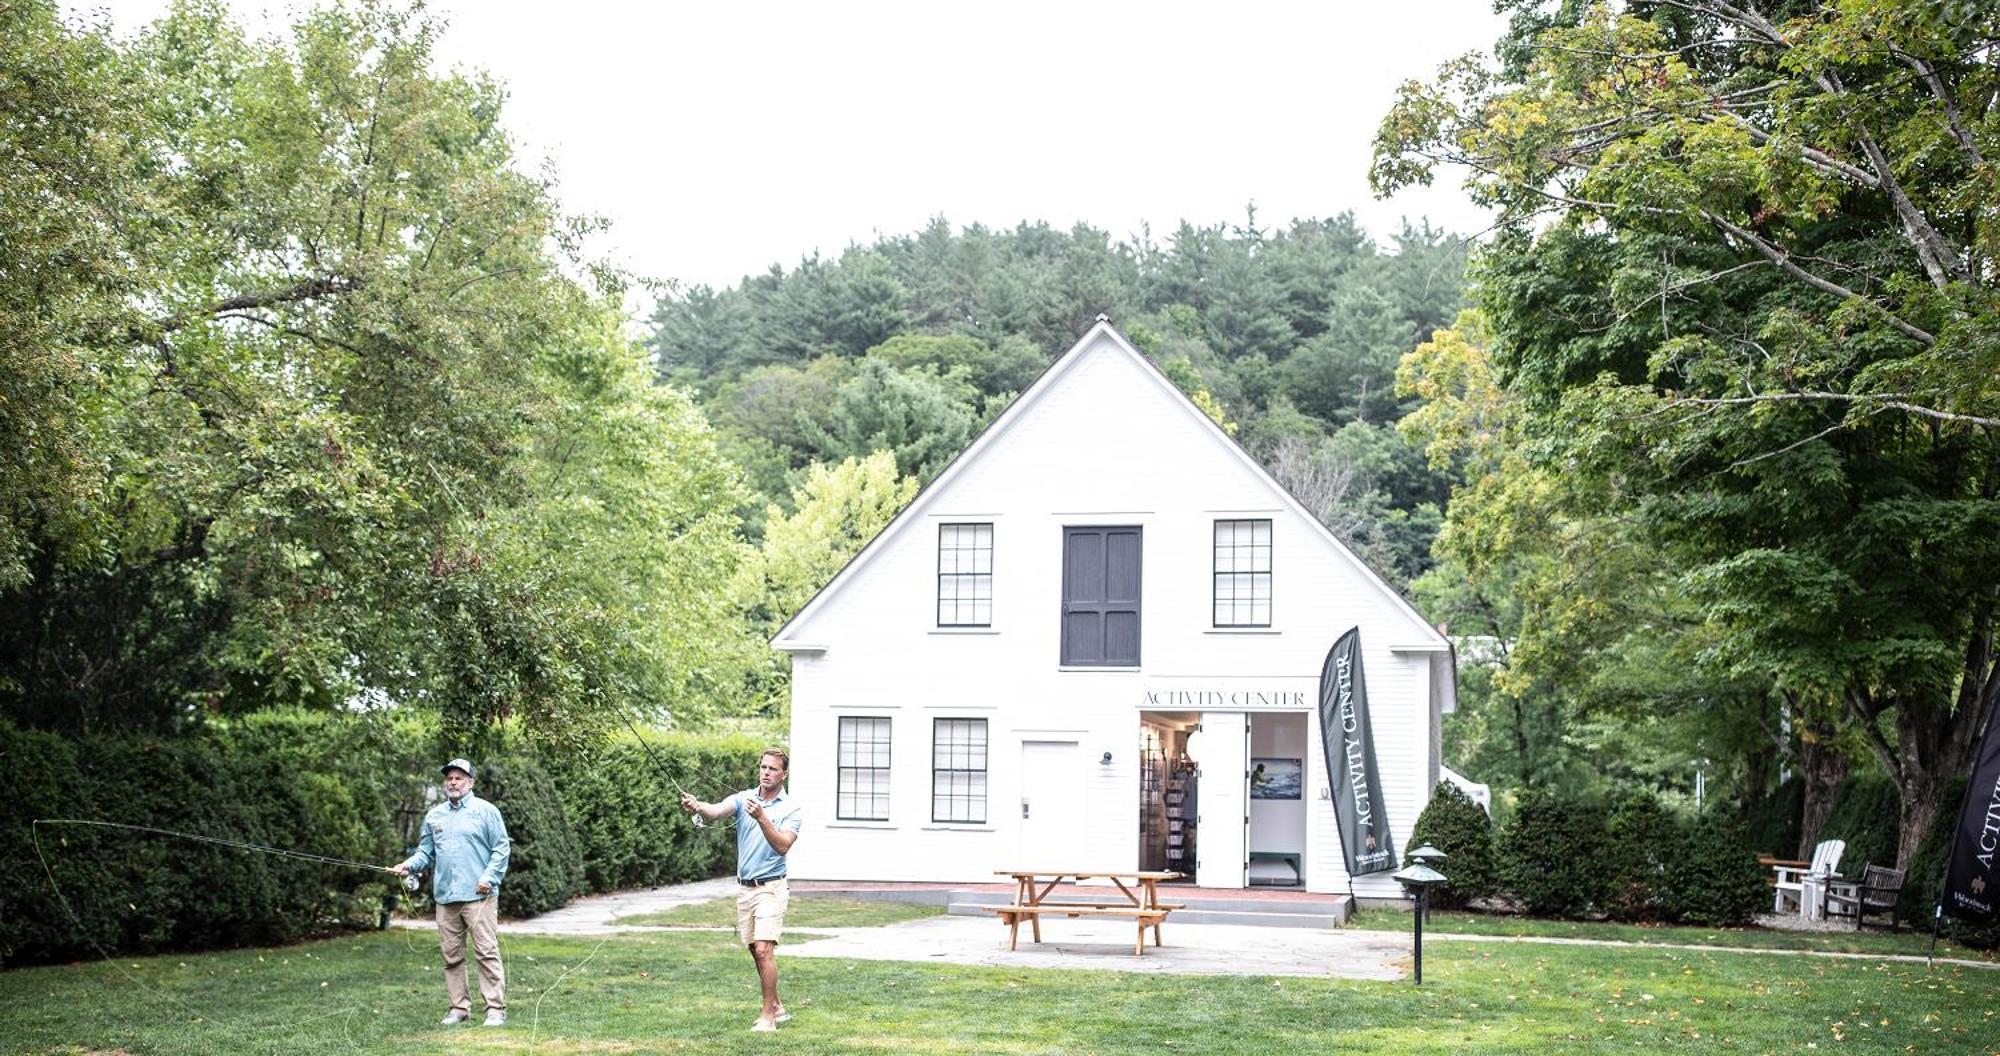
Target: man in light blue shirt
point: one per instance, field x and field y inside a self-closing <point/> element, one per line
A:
<point x="767" y="824"/>
<point x="465" y="840"/>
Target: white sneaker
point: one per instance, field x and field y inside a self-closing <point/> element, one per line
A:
<point x="495" y="1018"/>
<point x="452" y="1019"/>
<point x="783" y="1016"/>
<point x="763" y="1026"/>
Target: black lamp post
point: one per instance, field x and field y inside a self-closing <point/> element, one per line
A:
<point x="1419" y="878"/>
<point x="1430" y="856"/>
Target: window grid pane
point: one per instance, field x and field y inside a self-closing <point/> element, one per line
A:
<point x="965" y="575"/>
<point x="1242" y="573"/>
<point x="958" y="770"/>
<point x="862" y="788"/>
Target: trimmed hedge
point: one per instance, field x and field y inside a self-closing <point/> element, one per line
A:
<point x="116" y="890"/>
<point x="1864" y="813"/>
<point x="545" y="867"/>
<point x="1456" y="825"/>
<point x="1713" y="878"/>
<point x="1771" y="824"/>
<point x="1641" y="838"/>
<point x="630" y="829"/>
<point x="1562" y="856"/>
<point x="344" y="786"/>
<point x="1552" y="853"/>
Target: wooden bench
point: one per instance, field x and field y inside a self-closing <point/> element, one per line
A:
<point x="1146" y="917"/>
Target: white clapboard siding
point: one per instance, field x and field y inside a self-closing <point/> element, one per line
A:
<point x="1101" y="439"/>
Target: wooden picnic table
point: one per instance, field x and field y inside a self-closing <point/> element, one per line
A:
<point x="1140" y="891"/>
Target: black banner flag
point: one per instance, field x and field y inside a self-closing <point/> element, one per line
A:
<point x="1350" y="760"/>
<point x="1969" y="880"/>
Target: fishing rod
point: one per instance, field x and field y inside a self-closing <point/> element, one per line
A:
<point x="695" y="818"/>
<point x="241" y="845"/>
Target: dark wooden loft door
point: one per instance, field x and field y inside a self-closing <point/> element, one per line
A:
<point x="1100" y="611"/>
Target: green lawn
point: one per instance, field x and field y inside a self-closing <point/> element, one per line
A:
<point x="1901" y="942"/>
<point x="694" y="993"/>
<point x="805" y="911"/>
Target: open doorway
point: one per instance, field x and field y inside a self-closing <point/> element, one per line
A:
<point x="1167" y="791"/>
<point x="1277" y="839"/>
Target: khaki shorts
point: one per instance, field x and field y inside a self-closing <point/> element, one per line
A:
<point x="760" y="910"/>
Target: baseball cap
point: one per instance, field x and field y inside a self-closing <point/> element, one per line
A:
<point x="459" y="764"/>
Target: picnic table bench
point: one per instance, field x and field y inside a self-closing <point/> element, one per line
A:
<point x="1032" y="887"/>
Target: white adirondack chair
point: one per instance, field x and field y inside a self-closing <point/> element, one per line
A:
<point x="1794" y="880"/>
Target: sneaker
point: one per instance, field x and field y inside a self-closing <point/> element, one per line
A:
<point x="763" y="1026"/>
<point x="452" y="1019"/>
<point x="496" y="1018"/>
<point x="783" y="1016"/>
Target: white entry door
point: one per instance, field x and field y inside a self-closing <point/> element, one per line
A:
<point x="1051" y="807"/>
<point x="1221" y="752"/>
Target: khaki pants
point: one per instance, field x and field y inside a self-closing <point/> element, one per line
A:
<point x="481" y="919"/>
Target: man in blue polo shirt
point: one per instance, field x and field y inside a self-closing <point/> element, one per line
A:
<point x="767" y="824"/>
<point x="466" y="840"/>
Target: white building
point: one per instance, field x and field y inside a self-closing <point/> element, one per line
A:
<point x="1103" y="584"/>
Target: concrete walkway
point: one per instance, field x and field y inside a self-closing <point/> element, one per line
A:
<point x="1087" y="944"/>
<point x="1100" y="945"/>
<point x="598" y="914"/>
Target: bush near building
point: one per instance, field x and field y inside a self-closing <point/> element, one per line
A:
<point x="1562" y="855"/>
<point x="344" y="786"/>
<point x="1456" y="825"/>
<point x="1552" y="854"/>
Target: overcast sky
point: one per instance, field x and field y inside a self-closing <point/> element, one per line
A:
<point x="720" y="138"/>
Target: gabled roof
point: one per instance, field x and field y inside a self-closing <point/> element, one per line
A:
<point x="1103" y="332"/>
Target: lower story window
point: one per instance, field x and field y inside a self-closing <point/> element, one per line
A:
<point x="862" y="793"/>
<point x="958" y="770"/>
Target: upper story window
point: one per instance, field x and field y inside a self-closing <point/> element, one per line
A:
<point x="965" y="575"/>
<point x="861" y="792"/>
<point x="1101" y="579"/>
<point x="1243" y="573"/>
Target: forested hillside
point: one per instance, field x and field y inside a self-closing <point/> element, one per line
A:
<point x="1290" y="336"/>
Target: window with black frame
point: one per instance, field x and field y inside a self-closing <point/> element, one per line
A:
<point x="965" y="575"/>
<point x="1243" y="573"/>
<point x="958" y="770"/>
<point x="862" y="789"/>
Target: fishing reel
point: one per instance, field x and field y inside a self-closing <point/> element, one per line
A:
<point x="412" y="882"/>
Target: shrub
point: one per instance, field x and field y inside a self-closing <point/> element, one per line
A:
<point x="1925" y="879"/>
<point x="626" y="808"/>
<point x="1552" y="854"/>
<point x="106" y="889"/>
<point x="1641" y="837"/>
<point x="1456" y="825"/>
<point x="341" y="785"/>
<point x="1864" y="814"/>
<point x="1712" y="877"/>
<point x="1771" y="823"/>
<point x="545" y="869"/>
